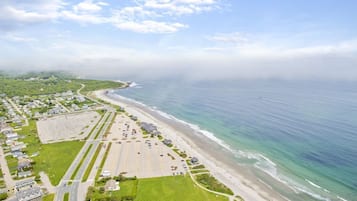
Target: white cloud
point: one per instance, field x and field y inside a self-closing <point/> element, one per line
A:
<point x="181" y="7"/>
<point x="233" y="38"/>
<point x="142" y="16"/>
<point x="89" y="6"/>
<point x="148" y="26"/>
<point x="17" y="38"/>
<point x="84" y="18"/>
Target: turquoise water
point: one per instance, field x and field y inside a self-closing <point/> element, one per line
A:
<point x="306" y="130"/>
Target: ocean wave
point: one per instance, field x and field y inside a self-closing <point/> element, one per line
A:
<point x="262" y="162"/>
<point x="134" y="85"/>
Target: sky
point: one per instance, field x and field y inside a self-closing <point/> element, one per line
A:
<point x="198" y="39"/>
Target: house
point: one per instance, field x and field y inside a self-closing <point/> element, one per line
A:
<point x="17" y="154"/>
<point x="150" y="128"/>
<point x="80" y="99"/>
<point x="167" y="142"/>
<point x="194" y="160"/>
<point x="17" y="147"/>
<point x="32" y="194"/>
<point x="6" y="130"/>
<point x="12" y="136"/>
<point x="106" y="173"/>
<point x="24" y="183"/>
<point x="85" y="107"/>
<point x="111" y="185"/>
<point x="134" y="118"/>
<point x="24" y="174"/>
<point x="23" y="163"/>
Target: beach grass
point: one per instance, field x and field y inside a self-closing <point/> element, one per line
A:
<point x="173" y="188"/>
<point x="211" y="183"/>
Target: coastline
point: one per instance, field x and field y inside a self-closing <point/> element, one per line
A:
<point x="236" y="177"/>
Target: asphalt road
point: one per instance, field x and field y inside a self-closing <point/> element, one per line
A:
<point x="73" y="188"/>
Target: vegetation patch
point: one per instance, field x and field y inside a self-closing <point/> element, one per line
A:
<point x="198" y="167"/>
<point x="127" y="192"/>
<point x="173" y="188"/>
<point x="211" y="183"/>
<point x="55" y="159"/>
<point x="182" y="154"/>
<point x="66" y="197"/>
<point x="199" y="171"/>
<point x="49" y="197"/>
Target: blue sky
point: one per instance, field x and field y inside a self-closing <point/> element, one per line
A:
<point x="202" y="39"/>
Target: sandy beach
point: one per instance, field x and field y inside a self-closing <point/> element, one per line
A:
<point x="238" y="178"/>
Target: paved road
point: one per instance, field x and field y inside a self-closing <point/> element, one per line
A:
<point x="73" y="189"/>
<point x="10" y="183"/>
<point x="19" y="111"/>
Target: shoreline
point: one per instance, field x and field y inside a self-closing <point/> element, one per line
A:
<point x="241" y="180"/>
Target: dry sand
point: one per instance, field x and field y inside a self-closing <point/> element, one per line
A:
<point x="136" y="155"/>
<point x="67" y="127"/>
<point x="237" y="178"/>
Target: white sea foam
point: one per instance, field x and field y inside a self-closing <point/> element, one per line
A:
<point x="263" y="163"/>
<point x="340" y="198"/>
<point x="313" y="184"/>
<point x="134" y="85"/>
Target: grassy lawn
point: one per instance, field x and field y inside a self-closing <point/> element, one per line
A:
<point x="12" y="164"/>
<point x="66" y="197"/>
<point x="55" y="159"/>
<point x="178" y="188"/>
<point x="127" y="189"/>
<point x="49" y="197"/>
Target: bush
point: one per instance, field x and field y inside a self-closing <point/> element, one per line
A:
<point x="3" y="196"/>
<point x="101" y="190"/>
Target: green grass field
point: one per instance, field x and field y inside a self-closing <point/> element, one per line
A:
<point x="66" y="197"/>
<point x="54" y="159"/>
<point x="49" y="197"/>
<point x="178" y="188"/>
<point x="127" y="189"/>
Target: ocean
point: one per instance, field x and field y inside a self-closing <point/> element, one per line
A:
<point x="301" y="133"/>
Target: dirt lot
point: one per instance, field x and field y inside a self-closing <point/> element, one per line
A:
<point x="67" y="127"/>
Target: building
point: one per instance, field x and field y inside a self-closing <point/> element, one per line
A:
<point x="24" y="174"/>
<point x="148" y="127"/>
<point x="194" y="160"/>
<point x="167" y="142"/>
<point x="23" y="164"/>
<point x="24" y="184"/>
<point x="32" y="194"/>
<point x="106" y="173"/>
<point x="111" y="185"/>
